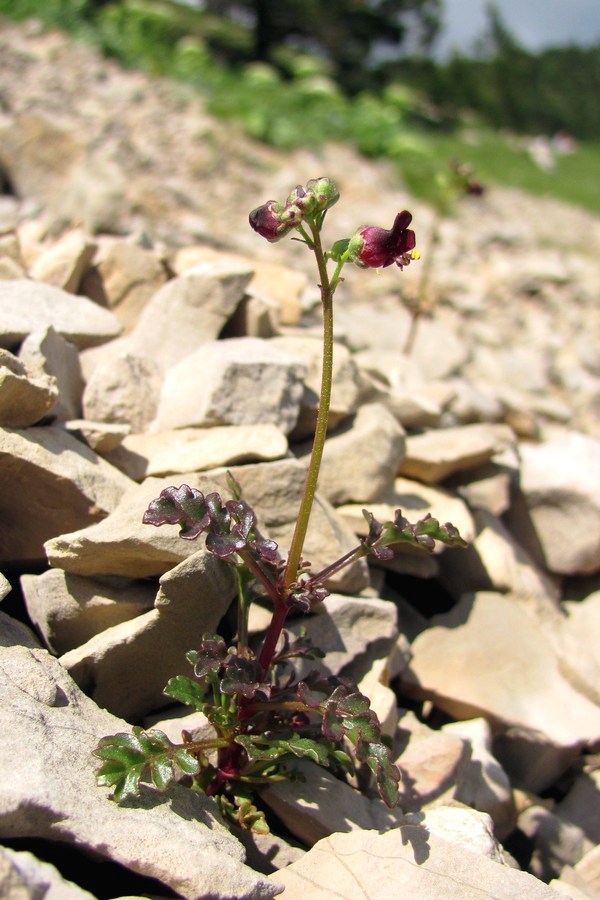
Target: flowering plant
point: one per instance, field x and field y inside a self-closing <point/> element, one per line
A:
<point x="264" y="717"/>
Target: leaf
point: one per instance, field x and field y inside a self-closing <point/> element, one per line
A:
<point x="378" y="758"/>
<point x="132" y="758"/>
<point x="259" y="748"/>
<point x="307" y="747"/>
<point x="188" y="692"/>
<point x="183" y="506"/>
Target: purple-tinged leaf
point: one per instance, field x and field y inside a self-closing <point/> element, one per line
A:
<point x="183" y="506"/>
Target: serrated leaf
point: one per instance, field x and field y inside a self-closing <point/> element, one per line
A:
<point x="186" y="691"/>
<point x="183" y="506"/>
<point x="127" y="758"/>
<point x="378" y="758"/>
<point x="258" y="749"/>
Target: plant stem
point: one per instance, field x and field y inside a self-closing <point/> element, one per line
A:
<point x="272" y="636"/>
<point x="312" y="476"/>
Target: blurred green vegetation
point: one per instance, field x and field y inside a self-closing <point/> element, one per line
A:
<point x="294" y="100"/>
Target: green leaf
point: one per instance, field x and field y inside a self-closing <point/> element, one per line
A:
<point x="186" y="762"/>
<point x="378" y="758"/>
<point x="312" y="749"/>
<point x="259" y="748"/>
<point x="189" y="692"/>
<point x="132" y="758"/>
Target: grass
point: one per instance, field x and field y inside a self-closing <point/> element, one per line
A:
<point x="503" y="159"/>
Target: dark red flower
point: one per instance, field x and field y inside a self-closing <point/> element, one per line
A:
<point x="376" y="248"/>
<point x="267" y="221"/>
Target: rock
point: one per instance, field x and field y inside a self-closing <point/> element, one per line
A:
<point x="519" y="693"/>
<point x="22" y="876"/>
<point x="58" y="358"/>
<point x="125" y="275"/>
<point x="239" y="381"/>
<point x="68" y="610"/>
<point x="25" y="395"/>
<point x="588" y="870"/>
<point x="345" y="389"/>
<point x="103" y="437"/>
<point x="495" y="561"/>
<point x="462" y="827"/>
<point x="65" y="486"/>
<point x="556" y="843"/>
<point x="187" y="312"/>
<point x="432" y="763"/>
<point x="5" y="587"/>
<point x="433" y="456"/>
<point x="580" y="806"/>
<point x="560" y="488"/>
<point x="484" y="785"/>
<point x="406" y="861"/>
<point x="64" y="264"/>
<point x="29" y="306"/>
<point x="488" y="487"/>
<point x="196" y="449"/>
<point x="275" y="282"/>
<point x="353" y="632"/>
<point x="309" y="819"/>
<point x="340" y="479"/>
<point x="123" y="391"/>
<point x="14" y="633"/>
<point x="50" y="730"/>
<point x="126" y="667"/>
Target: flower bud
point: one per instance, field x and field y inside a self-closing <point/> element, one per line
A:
<point x="324" y="191"/>
<point x="267" y="220"/>
<point x="376" y="248"/>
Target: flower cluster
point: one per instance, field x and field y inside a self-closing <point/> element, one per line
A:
<point x="274" y="220"/>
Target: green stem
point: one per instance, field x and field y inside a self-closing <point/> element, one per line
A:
<point x="310" y="486"/>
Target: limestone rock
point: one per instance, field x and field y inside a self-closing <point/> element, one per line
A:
<point x="103" y="437"/>
<point x="126" y="667"/>
<point x="406" y="861"/>
<point x="196" y="449"/>
<point x="556" y="843"/>
<point x="25" y="395"/>
<point x="433" y="456"/>
<point x="432" y="763"/>
<point x="187" y="312"/>
<point x="173" y="721"/>
<point x="23" y="877"/>
<point x="519" y="692"/>
<point x="581" y="628"/>
<point x="65" y="484"/>
<point x="124" y="277"/>
<point x="484" y="785"/>
<point x="65" y="262"/>
<point x="239" y="381"/>
<point x="345" y="389"/>
<point x="580" y="806"/>
<point x="309" y="819"/>
<point x="462" y="827"/>
<point x="352" y="632"/>
<point x="50" y="730"/>
<point x="28" y="306"/>
<point x="559" y="483"/>
<point x="123" y="390"/>
<point x="59" y="358"/>
<point x="5" y="587"/>
<point x="68" y="610"/>
<point x="375" y="437"/>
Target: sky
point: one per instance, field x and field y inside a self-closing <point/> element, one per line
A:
<point x="535" y="23"/>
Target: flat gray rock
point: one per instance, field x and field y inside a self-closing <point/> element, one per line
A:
<point x="29" y="305"/>
<point x="50" y="482"/>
